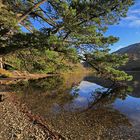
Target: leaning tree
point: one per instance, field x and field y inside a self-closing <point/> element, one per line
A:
<point x="62" y="25"/>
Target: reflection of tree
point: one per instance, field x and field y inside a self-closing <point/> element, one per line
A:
<point x="42" y="85"/>
<point x="98" y="121"/>
<point x="103" y="96"/>
<point x="135" y="84"/>
<point x="95" y="122"/>
<point x="43" y="94"/>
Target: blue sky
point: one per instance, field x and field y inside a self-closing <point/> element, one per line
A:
<point x="128" y="29"/>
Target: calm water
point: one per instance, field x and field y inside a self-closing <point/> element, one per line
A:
<point x="81" y="107"/>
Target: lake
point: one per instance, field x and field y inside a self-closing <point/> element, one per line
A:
<point x="80" y="107"/>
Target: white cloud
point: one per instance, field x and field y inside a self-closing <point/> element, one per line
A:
<point x="133" y="17"/>
<point x="135" y="11"/>
<point x="119" y="47"/>
<point x="114" y="49"/>
<point x="131" y="21"/>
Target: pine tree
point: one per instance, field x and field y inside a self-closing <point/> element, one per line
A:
<point x="79" y="24"/>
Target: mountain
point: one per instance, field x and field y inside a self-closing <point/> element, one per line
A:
<point x="133" y="52"/>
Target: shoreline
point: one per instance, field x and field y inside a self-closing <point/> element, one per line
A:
<point x="16" y="78"/>
<point x="17" y="122"/>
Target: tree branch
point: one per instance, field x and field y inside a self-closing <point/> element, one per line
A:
<point x="45" y="19"/>
<point x="28" y="28"/>
<point x="30" y="10"/>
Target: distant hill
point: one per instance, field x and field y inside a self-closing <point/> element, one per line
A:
<point x="133" y="52"/>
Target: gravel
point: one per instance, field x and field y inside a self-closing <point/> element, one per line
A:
<point x="14" y="124"/>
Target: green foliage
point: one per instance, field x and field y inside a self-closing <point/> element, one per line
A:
<point x="7" y="19"/>
<point x="43" y="85"/>
<point x="47" y="61"/>
<point x="108" y="96"/>
<point x="107" y="65"/>
<point x="69" y="28"/>
<point x="8" y="23"/>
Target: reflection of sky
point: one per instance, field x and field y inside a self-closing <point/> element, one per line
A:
<point x="84" y="93"/>
<point x="86" y="87"/>
<point x="130" y="107"/>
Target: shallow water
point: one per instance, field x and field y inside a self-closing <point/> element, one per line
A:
<point x="79" y="108"/>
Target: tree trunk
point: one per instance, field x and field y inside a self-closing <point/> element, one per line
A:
<point x="1" y="63"/>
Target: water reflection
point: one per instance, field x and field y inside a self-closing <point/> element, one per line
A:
<point x="135" y="84"/>
<point x="79" y="108"/>
<point x="44" y="95"/>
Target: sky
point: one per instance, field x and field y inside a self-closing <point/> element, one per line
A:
<point x="128" y="29"/>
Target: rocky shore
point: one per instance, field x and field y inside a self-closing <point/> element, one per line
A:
<point x="18" y="123"/>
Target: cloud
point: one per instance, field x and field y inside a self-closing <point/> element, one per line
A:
<point x="135" y="11"/>
<point x="133" y="17"/>
<point x="117" y="48"/>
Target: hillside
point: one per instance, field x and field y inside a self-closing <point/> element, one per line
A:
<point x="133" y="52"/>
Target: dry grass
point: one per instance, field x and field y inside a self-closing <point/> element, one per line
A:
<point x="5" y="73"/>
